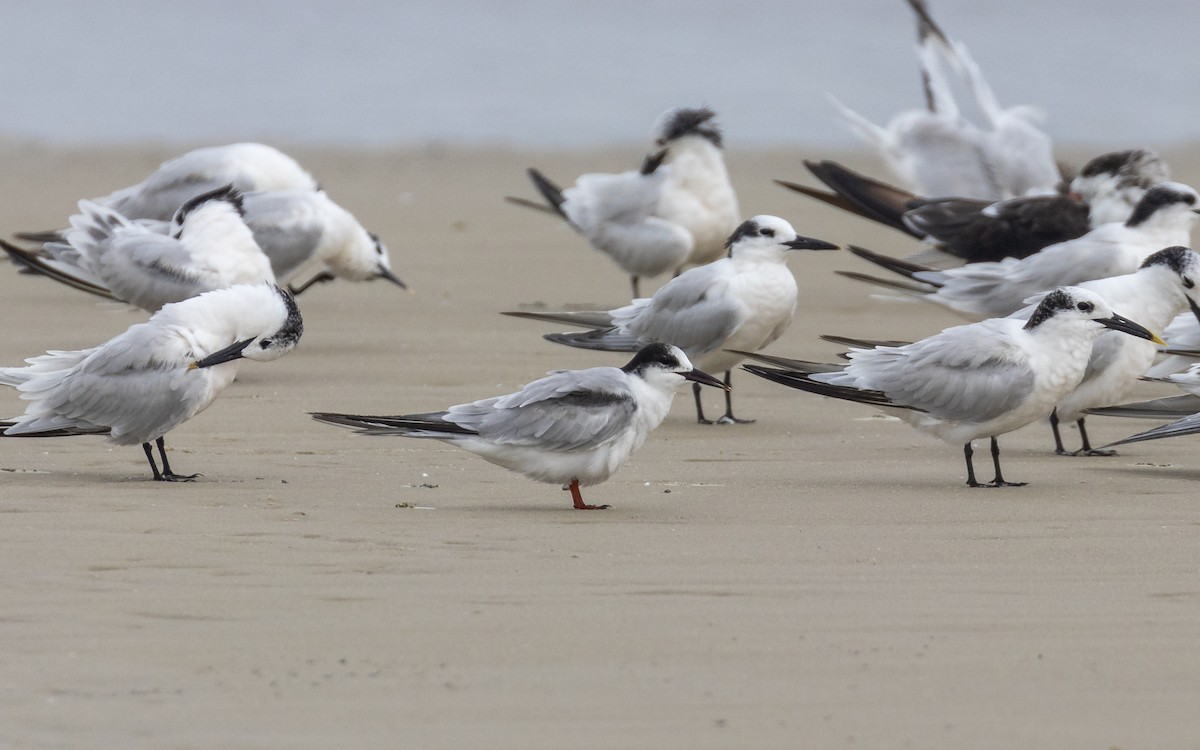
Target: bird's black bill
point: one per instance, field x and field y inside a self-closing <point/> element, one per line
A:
<point x="228" y="354"/>
<point x="808" y="243"/>
<point x="1125" y="325"/>
<point x="703" y="378"/>
<point x="386" y="273"/>
<point x="1195" y="309"/>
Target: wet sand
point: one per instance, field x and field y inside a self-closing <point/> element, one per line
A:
<point x="821" y="578"/>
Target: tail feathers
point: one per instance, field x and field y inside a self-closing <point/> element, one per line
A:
<point x="581" y="318"/>
<point x="41" y="238"/>
<point x="59" y="271"/>
<point x="93" y="224"/>
<point x="602" y="339"/>
<point x="551" y="192"/>
<point x="873" y="199"/>
<point x="432" y="424"/>
<point x="1189" y="425"/>
<point x="52" y="426"/>
<point x="804" y="382"/>
<point x="895" y="265"/>
<point x="896" y="284"/>
<point x="535" y="205"/>
<point x="798" y="365"/>
<point x="861" y="343"/>
<point x="1171" y="407"/>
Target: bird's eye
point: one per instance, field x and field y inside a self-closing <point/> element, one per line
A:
<point x="767" y="232"/>
<point x="1086" y="307"/>
<point x="265" y="343"/>
<point x="1188" y="283"/>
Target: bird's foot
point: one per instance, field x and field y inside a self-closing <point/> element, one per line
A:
<point x="1093" y="452"/>
<point x="585" y="506"/>
<point x="996" y="483"/>
<point x="730" y="419"/>
<point x="702" y="420"/>
<point x="172" y="477"/>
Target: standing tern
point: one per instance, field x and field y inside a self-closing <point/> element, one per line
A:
<point x="970" y="381"/>
<point x="573" y="427"/>
<point x="156" y="375"/>
<point x="615" y="213"/>
<point x="744" y="301"/>
<point x="1163" y="287"/>
<point x="210" y="247"/>
<point x="674" y="211"/>
<point x="1163" y="218"/>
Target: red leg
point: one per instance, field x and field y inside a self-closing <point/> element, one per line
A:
<point x="577" y="498"/>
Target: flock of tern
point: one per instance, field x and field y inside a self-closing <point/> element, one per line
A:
<point x="1068" y="278"/>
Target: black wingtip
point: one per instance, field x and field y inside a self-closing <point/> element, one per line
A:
<point x="551" y="192"/>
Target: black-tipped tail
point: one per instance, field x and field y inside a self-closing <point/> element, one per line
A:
<point x="415" y="425"/>
<point x="905" y="268"/>
<point x="1189" y="425"/>
<point x="35" y="263"/>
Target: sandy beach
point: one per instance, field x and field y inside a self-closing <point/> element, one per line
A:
<point x="822" y="578"/>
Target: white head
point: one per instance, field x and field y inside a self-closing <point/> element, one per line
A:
<point x="350" y="251"/>
<point x="1083" y="310"/>
<point x="267" y="321"/>
<point x="767" y="237"/>
<point x="1182" y="265"/>
<point x="666" y="367"/>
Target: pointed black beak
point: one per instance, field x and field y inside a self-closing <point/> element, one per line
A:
<point x="808" y="243"/>
<point x="1125" y="325"/>
<point x="228" y="354"/>
<point x="703" y="378"/>
<point x="386" y="273"/>
<point x="1195" y="309"/>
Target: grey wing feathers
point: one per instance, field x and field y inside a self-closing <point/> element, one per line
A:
<point x="948" y="375"/>
<point x="569" y="410"/>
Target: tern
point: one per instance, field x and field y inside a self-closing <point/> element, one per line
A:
<point x="971" y="381"/>
<point x="573" y="427"/>
<point x="744" y="301"/>
<point x="143" y="383"/>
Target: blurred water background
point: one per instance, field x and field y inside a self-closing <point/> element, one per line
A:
<point x="536" y="73"/>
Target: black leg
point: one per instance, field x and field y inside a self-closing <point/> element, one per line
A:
<point x="699" y="408"/>
<point x="728" y="418"/>
<point x="320" y="278"/>
<point x="167" y="474"/>
<point x="153" y="466"/>
<point x="634" y="280"/>
<point x="968" y="451"/>
<point x="999" y="480"/>
<point x="1058" y="443"/>
<point x="1087" y="449"/>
